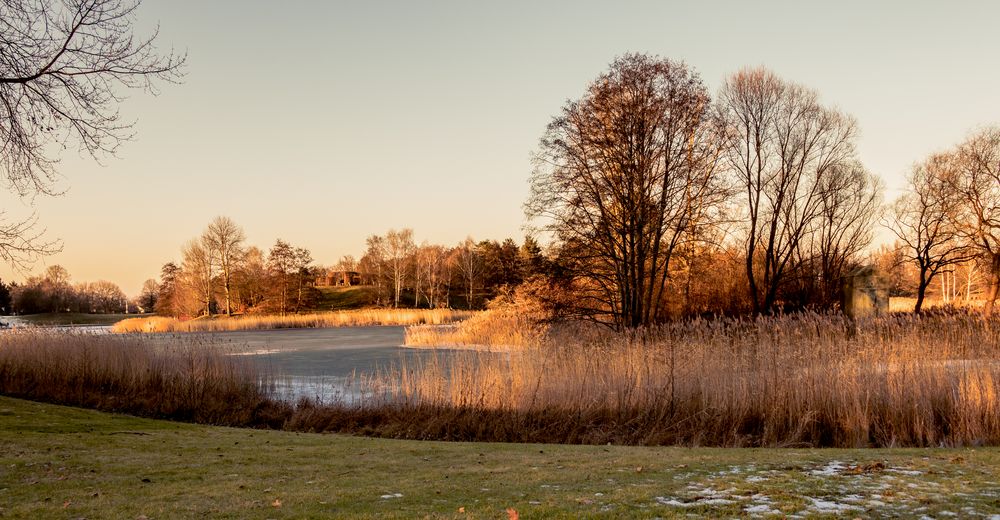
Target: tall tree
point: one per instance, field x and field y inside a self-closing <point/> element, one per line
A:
<point x="64" y="68"/>
<point x="281" y="262"/>
<point x="225" y="239"/>
<point x="619" y="175"/>
<point x="167" y="300"/>
<point x="783" y="146"/>
<point x="924" y="220"/>
<point x="199" y="273"/>
<point x="148" y="295"/>
<point x="469" y="265"/>
<point x="399" y="248"/>
<point x="976" y="180"/>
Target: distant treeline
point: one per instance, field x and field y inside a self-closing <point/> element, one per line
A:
<point x="220" y="274"/>
<point x="53" y="292"/>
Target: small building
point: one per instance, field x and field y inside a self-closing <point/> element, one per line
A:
<point x="338" y="279"/>
<point x="866" y="292"/>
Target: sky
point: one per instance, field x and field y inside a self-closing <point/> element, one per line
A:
<point x="324" y="122"/>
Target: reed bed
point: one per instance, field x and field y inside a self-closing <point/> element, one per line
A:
<point x="186" y="381"/>
<point x="801" y="380"/>
<point x="353" y="318"/>
<point x="494" y="330"/>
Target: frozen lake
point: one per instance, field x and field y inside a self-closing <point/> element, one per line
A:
<point x="319" y="362"/>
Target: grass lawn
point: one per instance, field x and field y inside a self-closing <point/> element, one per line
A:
<point x="71" y="318"/>
<point x="58" y="462"/>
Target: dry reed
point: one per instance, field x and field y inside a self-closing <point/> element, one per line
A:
<point x="353" y="318"/>
<point x="802" y="380"/>
<point x="495" y="329"/>
<point x="808" y="379"/>
<point x="185" y="381"/>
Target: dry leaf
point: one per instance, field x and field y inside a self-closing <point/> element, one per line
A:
<point x="512" y="514"/>
<point x="276" y="503"/>
<point x="461" y="510"/>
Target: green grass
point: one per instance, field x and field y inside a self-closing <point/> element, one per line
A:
<point x="58" y="462"/>
<point x="340" y="298"/>
<point x="72" y="318"/>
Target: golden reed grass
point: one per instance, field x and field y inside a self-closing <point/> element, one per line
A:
<point x="802" y="380"/>
<point x="799" y="380"/>
<point x="495" y="329"/>
<point x="186" y="381"/>
<point x="353" y="318"/>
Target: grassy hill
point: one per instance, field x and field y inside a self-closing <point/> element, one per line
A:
<point x="59" y="462"/>
<point x="343" y="298"/>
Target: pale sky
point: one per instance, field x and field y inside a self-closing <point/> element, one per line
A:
<point x="324" y="122"/>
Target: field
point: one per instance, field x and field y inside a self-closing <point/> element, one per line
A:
<point x="60" y="462"/>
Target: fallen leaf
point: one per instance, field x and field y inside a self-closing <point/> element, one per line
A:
<point x="512" y="514"/>
<point x="276" y="503"/>
<point x="461" y="510"/>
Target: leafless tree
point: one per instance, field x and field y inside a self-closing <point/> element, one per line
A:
<point x="399" y="248"/>
<point x="64" y="68"/>
<point x="976" y="180"/>
<point x="199" y="270"/>
<point x="303" y="275"/>
<point x="620" y="176"/>
<point x="783" y="146"/>
<point x="432" y="269"/>
<point x="373" y="267"/>
<point x="924" y="220"/>
<point x="850" y="205"/>
<point x="251" y="279"/>
<point x="148" y="295"/>
<point x="225" y="239"/>
<point x="469" y="265"/>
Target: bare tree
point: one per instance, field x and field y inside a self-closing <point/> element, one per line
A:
<point x="850" y="205"/>
<point x="303" y="274"/>
<point x="470" y="267"/>
<point x="225" y="239"/>
<point x="924" y="220"/>
<point x="618" y="178"/>
<point x="199" y="271"/>
<point x="976" y="180"/>
<point x="251" y="278"/>
<point x="373" y="267"/>
<point x="782" y="146"/>
<point x="148" y="295"/>
<point x="64" y="68"/>
<point x="399" y="249"/>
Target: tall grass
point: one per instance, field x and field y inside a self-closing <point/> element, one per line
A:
<point x="355" y="318"/>
<point x="796" y="380"/>
<point x="802" y="380"/>
<point x="495" y="329"/>
<point x="186" y="381"/>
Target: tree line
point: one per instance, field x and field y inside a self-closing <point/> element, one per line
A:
<point x="662" y="201"/>
<point x="53" y="291"/>
<point x="220" y="274"/>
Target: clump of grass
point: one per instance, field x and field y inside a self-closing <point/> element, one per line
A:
<point x="353" y="318"/>
<point x="185" y="382"/>
<point x="495" y="329"/>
